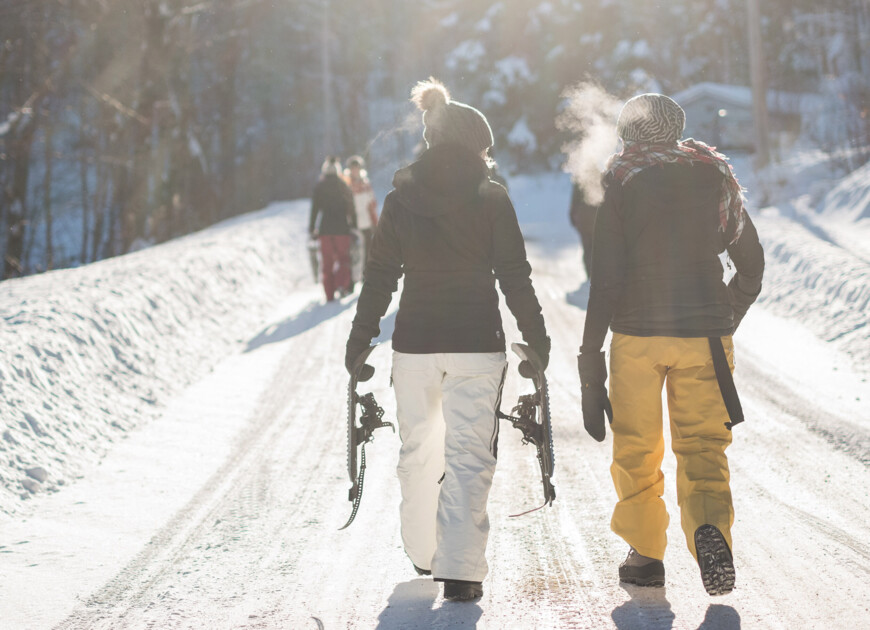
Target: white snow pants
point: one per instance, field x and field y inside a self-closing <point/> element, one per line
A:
<point x="446" y="407"/>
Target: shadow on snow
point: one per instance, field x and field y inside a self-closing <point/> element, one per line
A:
<point x="579" y="297"/>
<point x="410" y="606"/>
<point x="649" y="609"/>
<point x="312" y="315"/>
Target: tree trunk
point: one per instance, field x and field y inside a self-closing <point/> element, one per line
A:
<point x="83" y="183"/>
<point x="46" y="195"/>
<point x="227" y="133"/>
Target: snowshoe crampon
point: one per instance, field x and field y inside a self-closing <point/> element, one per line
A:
<point x="370" y="418"/>
<point x="531" y="416"/>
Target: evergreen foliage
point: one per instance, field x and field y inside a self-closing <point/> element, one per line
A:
<point x="131" y="122"/>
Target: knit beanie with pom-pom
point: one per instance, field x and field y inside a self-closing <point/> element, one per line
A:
<point x="331" y="165"/>
<point x="651" y="118"/>
<point x="446" y="120"/>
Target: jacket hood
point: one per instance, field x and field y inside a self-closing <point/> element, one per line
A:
<point x="445" y="179"/>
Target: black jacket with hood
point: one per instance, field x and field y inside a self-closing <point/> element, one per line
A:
<point x="656" y="269"/>
<point x="452" y="233"/>
<point x="332" y="203"/>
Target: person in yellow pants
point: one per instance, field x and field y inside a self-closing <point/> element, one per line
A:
<point x="639" y="368"/>
<point x="670" y="208"/>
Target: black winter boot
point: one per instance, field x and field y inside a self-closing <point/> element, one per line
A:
<point x="641" y="570"/>
<point x="461" y="591"/>
<point x="715" y="560"/>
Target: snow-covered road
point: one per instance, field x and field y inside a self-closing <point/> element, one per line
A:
<point x="224" y="511"/>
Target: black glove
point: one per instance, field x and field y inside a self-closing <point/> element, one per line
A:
<point x="542" y="349"/>
<point x="355" y="347"/>
<point x="595" y="403"/>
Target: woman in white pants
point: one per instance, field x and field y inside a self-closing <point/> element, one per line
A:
<point x="452" y="233"/>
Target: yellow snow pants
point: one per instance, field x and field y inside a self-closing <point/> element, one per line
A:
<point x="639" y="368"/>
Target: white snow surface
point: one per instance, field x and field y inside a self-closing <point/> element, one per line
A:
<point x="216" y="360"/>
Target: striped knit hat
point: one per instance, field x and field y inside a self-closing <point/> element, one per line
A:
<point x="651" y="118"/>
<point x="446" y="120"/>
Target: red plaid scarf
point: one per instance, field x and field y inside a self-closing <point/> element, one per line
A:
<point x="638" y="156"/>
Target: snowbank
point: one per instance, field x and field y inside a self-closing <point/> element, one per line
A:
<point x="816" y="238"/>
<point x="816" y="282"/>
<point x="87" y="354"/>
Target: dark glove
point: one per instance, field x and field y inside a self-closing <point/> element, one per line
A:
<point x="595" y="403"/>
<point x="355" y="347"/>
<point x="542" y="349"/>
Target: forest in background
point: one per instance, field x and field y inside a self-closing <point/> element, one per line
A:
<point x="129" y="122"/>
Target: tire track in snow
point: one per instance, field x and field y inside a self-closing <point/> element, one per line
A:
<point x="841" y="434"/>
<point x="234" y="491"/>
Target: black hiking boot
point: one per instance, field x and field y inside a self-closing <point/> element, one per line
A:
<point x="462" y="591"/>
<point x="421" y="571"/>
<point x="641" y="570"/>
<point x="715" y="560"/>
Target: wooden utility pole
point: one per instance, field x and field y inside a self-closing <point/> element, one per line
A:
<point x="759" y="85"/>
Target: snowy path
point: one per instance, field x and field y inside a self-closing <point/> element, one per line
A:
<point x="224" y="512"/>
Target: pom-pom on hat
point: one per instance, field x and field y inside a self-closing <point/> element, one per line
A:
<point x="652" y="118"/>
<point x="330" y="165"/>
<point x="355" y="160"/>
<point x="446" y="120"/>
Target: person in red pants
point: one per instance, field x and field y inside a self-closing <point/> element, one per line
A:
<point x="331" y="220"/>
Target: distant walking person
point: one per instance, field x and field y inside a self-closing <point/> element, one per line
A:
<point x="670" y="208"/>
<point x="582" y="215"/>
<point x="364" y="201"/>
<point x="332" y="217"/>
<point x="452" y="233"/>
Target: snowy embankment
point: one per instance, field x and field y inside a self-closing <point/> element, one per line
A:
<point x="87" y="354"/>
<point x="817" y="255"/>
<point x="816" y="282"/>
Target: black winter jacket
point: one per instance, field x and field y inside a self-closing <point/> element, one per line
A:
<point x="656" y="269"/>
<point x="333" y="200"/>
<point x="452" y="233"/>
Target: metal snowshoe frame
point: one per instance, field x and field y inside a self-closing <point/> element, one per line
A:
<point x="314" y="259"/>
<point x="532" y="418"/>
<point x="358" y="435"/>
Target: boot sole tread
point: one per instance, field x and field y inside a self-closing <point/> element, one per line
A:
<point x="715" y="561"/>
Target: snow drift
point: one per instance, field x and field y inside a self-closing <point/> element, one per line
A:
<point x="87" y="354"/>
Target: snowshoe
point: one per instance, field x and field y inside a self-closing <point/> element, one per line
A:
<point x="359" y="435"/>
<point x="531" y="416"/>
<point x="314" y="259"/>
